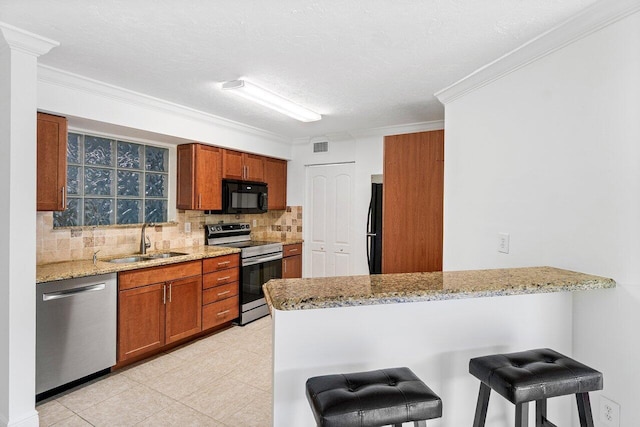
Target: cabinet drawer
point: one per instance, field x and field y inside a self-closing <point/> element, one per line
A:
<point x="290" y="250"/>
<point x="220" y="278"/>
<point x="219" y="293"/>
<point x="220" y="312"/>
<point x="219" y="263"/>
<point x="163" y="273"/>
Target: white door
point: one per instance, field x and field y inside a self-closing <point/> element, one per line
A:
<point x="329" y="215"/>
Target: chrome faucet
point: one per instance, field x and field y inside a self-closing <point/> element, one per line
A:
<point x="145" y="242"/>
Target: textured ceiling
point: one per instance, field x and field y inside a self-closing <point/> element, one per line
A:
<point x="359" y="63"/>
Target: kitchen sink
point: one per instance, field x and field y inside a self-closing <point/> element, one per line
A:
<point x="125" y="260"/>
<point x="148" y="257"/>
<point x="165" y="255"/>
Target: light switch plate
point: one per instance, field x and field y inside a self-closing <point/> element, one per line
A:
<point x="187" y="227"/>
<point x="503" y="243"/>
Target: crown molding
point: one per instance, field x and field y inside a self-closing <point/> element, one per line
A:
<point x="25" y="41"/>
<point x="590" y="20"/>
<point x="55" y="76"/>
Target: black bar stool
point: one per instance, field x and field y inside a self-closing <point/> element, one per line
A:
<point x="373" y="398"/>
<point x="534" y="375"/>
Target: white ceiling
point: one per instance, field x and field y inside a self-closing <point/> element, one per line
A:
<point x="360" y="63"/>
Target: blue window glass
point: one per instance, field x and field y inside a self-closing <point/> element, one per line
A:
<point x="98" y="211"/>
<point x="98" y="181"/>
<point x="129" y="155"/>
<point x="156" y="159"/>
<point x="114" y="182"/>
<point x="155" y="210"/>
<point x="156" y="185"/>
<point x="129" y="183"/>
<point x="98" y="151"/>
<point x="69" y="217"/>
<point x="73" y="180"/>
<point x="129" y="211"/>
<point x="74" y="141"/>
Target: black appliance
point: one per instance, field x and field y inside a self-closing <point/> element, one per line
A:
<point x="374" y="230"/>
<point x="240" y="197"/>
<point x="260" y="262"/>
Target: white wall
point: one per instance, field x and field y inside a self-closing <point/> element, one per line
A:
<point x="551" y="154"/>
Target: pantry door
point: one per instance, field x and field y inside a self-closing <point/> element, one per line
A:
<point x="329" y="213"/>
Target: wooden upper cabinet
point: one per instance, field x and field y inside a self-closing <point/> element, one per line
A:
<point x="275" y="175"/>
<point x="242" y="166"/>
<point x="232" y="165"/>
<point x="413" y="194"/>
<point x="52" y="163"/>
<point x="199" y="177"/>
<point x="254" y="167"/>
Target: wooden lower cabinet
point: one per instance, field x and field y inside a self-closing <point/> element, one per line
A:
<point x="292" y="261"/>
<point x="183" y="317"/>
<point x="220" y="290"/>
<point x="220" y="312"/>
<point x="158" y="306"/>
<point x="141" y="321"/>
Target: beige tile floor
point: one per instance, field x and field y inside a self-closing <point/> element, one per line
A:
<point x="221" y="380"/>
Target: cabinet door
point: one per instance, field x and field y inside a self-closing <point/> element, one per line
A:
<point x="292" y="267"/>
<point x="253" y="167"/>
<point x="413" y="194"/>
<point x="184" y="304"/>
<point x="209" y="177"/>
<point x="199" y="177"/>
<point x="232" y="165"/>
<point x="275" y="175"/>
<point x="141" y="320"/>
<point x="52" y="163"/>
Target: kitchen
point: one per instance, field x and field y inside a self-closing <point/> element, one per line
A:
<point x="596" y="225"/>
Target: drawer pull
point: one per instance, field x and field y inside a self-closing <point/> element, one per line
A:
<point x="224" y="263"/>
<point x="223" y="313"/>
<point x="223" y="293"/>
<point x="220" y="279"/>
<point x="293" y="250"/>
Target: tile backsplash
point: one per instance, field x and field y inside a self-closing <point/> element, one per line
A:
<point x="77" y="243"/>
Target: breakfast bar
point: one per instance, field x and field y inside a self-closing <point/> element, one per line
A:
<point x="432" y="323"/>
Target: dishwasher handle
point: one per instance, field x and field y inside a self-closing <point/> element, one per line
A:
<point x="72" y="292"/>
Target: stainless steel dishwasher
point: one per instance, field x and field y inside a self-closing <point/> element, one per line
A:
<point x="75" y="329"/>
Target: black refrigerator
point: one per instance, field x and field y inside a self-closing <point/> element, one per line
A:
<point x="374" y="230"/>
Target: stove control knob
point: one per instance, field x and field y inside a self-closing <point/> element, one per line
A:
<point x="218" y="228"/>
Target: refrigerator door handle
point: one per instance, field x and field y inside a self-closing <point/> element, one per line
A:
<point x="369" y="236"/>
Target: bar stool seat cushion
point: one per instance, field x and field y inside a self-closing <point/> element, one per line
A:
<point x="373" y="398"/>
<point x="534" y="374"/>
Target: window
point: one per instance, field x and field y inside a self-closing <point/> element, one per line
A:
<point x="114" y="182"/>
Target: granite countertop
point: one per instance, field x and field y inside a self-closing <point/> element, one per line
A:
<point x="301" y="294"/>
<point x="82" y="268"/>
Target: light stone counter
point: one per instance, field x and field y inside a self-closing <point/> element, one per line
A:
<point x="82" y="268"/>
<point x="301" y="294"/>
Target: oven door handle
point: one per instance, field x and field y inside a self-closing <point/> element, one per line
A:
<point x="255" y="261"/>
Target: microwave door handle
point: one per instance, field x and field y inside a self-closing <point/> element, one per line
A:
<point x="263" y="201"/>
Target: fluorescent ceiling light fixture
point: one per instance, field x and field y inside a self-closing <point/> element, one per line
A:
<point x="269" y="99"/>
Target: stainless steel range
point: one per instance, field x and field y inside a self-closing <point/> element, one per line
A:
<point x="261" y="262"/>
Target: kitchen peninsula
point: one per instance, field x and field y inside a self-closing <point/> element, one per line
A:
<point x="431" y="322"/>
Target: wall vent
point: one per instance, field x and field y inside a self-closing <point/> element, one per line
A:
<point x="321" y="147"/>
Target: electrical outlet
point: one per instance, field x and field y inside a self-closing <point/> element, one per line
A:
<point x="609" y="412"/>
<point x="503" y="243"/>
<point x="255" y="222"/>
<point x="187" y="227"/>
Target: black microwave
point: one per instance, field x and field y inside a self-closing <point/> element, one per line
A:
<point x="240" y="197"/>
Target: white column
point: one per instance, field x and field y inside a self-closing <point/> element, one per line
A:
<point x="19" y="53"/>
